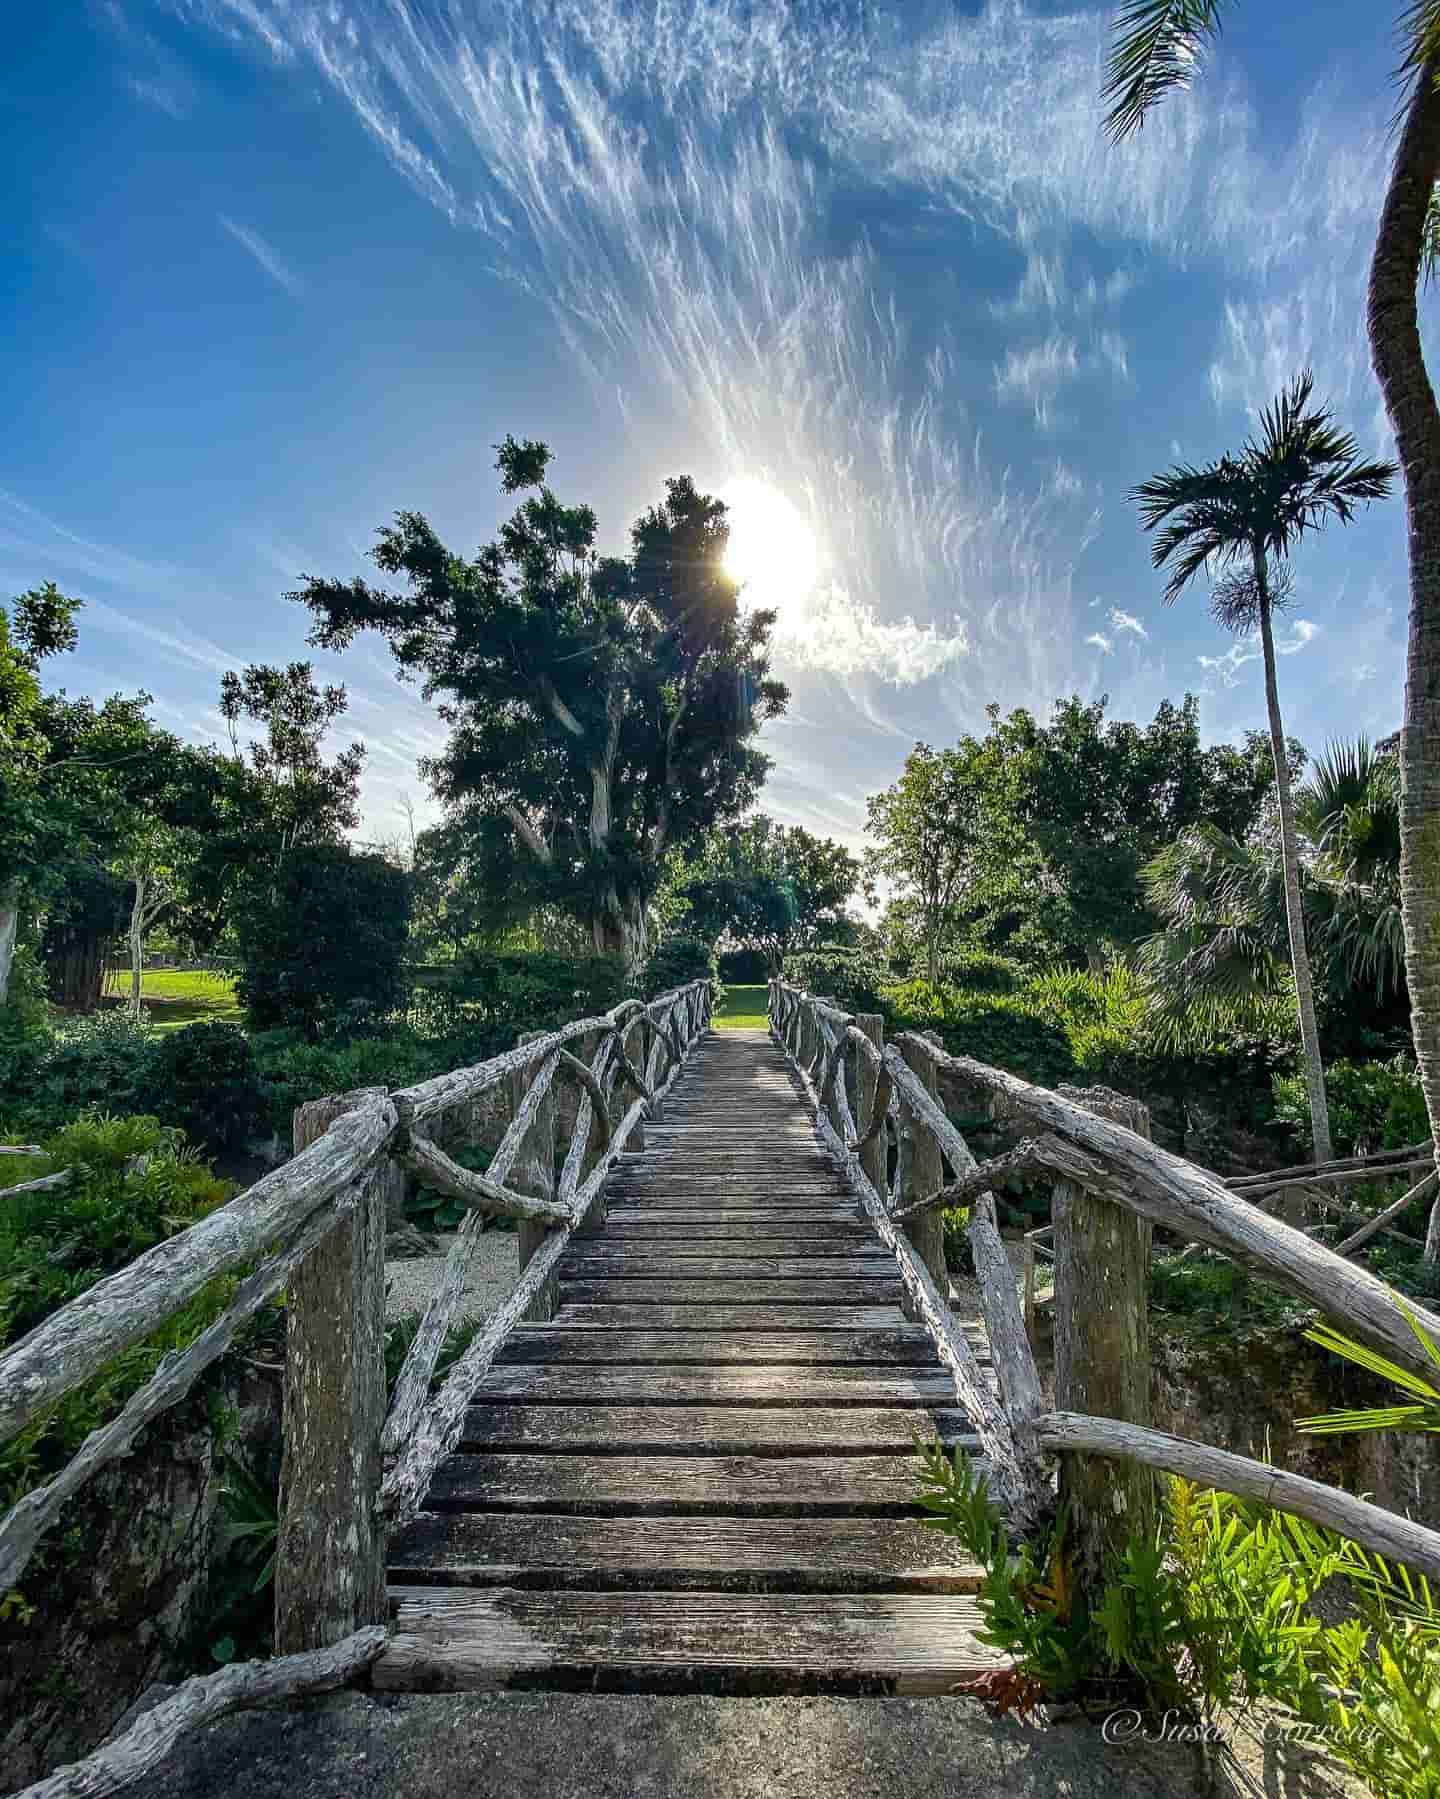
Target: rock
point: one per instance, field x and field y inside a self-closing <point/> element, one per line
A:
<point x="409" y="1242"/>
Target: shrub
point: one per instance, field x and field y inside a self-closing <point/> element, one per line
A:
<point x="1373" y="1105"/>
<point x="204" y="1079"/>
<point x="980" y="970"/>
<point x="100" y="1061"/>
<point x="676" y="962"/>
<point x="322" y="947"/>
<point x="853" y="977"/>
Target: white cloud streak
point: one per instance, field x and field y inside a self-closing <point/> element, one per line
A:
<point x="265" y="254"/>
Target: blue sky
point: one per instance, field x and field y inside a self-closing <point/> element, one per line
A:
<point x="277" y="269"/>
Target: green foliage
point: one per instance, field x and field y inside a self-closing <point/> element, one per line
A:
<point x="1213" y="1614"/>
<point x="133" y="1187"/>
<point x="675" y="963"/>
<point x="205" y="1079"/>
<point x="775" y="888"/>
<point x="748" y="967"/>
<point x="556" y="668"/>
<point x="854" y="977"/>
<point x="322" y="946"/>
<point x="1373" y="1106"/>
<point x="978" y="970"/>
<point x="1420" y="1409"/>
<point x="1208" y="1295"/>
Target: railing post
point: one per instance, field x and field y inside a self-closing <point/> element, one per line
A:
<point x="1102" y="1346"/>
<point x="924" y="1171"/>
<point x="874" y="1156"/>
<point x="330" y="1545"/>
<point x="635" y="1041"/>
<point x="534" y="1174"/>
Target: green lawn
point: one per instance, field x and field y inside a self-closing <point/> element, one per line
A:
<point x="174" y="998"/>
<point x="743" y="1009"/>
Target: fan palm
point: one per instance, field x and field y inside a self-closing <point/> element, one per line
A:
<point x="1237" y="514"/>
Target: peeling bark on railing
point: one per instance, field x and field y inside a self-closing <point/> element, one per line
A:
<point x="32" y="1516"/>
<point x="330" y="1544"/>
<point x="1193" y="1203"/>
<point x="1007" y="1483"/>
<point x="1386" y="1533"/>
<point x="72" y="1343"/>
<point x="151" y="1738"/>
<point x="1000" y="1307"/>
<point x="480" y="1191"/>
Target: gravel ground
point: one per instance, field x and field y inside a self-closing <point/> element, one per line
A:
<point x="493" y="1272"/>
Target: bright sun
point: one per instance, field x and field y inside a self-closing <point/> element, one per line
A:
<point x="772" y="551"/>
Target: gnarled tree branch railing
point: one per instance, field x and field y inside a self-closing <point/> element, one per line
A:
<point x="1096" y="1162"/>
<point x="282" y="1229"/>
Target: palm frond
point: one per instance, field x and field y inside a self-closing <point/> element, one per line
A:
<point x="1157" y="47"/>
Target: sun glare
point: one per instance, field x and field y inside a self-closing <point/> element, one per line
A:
<point x="772" y="551"/>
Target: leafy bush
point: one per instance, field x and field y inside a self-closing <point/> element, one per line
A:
<point x="204" y="1079"/>
<point x="1211" y="1615"/>
<point x="100" y="1061"/>
<point x="1209" y="1295"/>
<point x="132" y="1187"/>
<point x="675" y="963"/>
<point x="852" y="977"/>
<point x="322" y="946"/>
<point x="980" y="970"/>
<point x="1373" y="1105"/>
<point x="293" y="1071"/>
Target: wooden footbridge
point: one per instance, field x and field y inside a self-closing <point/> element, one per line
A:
<point x="683" y="1451"/>
<point x="705" y="1464"/>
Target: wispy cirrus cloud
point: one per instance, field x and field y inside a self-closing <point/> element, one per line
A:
<point x="1246" y="649"/>
<point x="265" y="254"/>
<point x="663" y="180"/>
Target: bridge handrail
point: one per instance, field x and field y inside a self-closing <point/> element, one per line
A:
<point x="280" y="1223"/>
<point x="1095" y="1145"/>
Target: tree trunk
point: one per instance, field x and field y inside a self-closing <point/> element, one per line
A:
<point x="77" y="971"/>
<point x="1290" y="862"/>
<point x="137" y="945"/>
<point x="9" y="925"/>
<point x="1399" y="359"/>
<point x="932" y="957"/>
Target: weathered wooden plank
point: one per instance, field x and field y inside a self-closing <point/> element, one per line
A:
<point x="590" y="1260"/>
<point x="459" y="1640"/>
<point x="792" y="1485"/>
<point x="712" y="1430"/>
<point x="607" y="1290"/>
<point x="702" y="1318"/>
<point x="716" y="1554"/>
<point x="909" y="1346"/>
<point x="700" y="1385"/>
<point x="675" y="1215"/>
<point x="835" y="1232"/>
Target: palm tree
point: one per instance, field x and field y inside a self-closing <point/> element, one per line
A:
<point x="1243" y="510"/>
<point x="1159" y="45"/>
<point x="1220" y="961"/>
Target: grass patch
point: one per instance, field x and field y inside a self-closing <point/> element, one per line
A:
<point x="175" y="997"/>
<point x="743" y="1009"/>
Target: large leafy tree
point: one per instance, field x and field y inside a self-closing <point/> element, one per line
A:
<point x="772" y="887"/>
<point x="601" y="709"/>
<point x="928" y="838"/>
<point x="1031" y="839"/>
<point x="1159" y="45"/>
<point x="1246" y="514"/>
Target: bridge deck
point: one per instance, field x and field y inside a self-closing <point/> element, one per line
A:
<point x="702" y="1472"/>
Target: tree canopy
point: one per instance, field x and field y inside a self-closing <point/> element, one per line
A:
<point x="601" y="710"/>
<point x="772" y="887"/>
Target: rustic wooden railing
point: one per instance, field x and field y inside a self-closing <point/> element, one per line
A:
<point x="316" y="1227"/>
<point x="882" y="1111"/>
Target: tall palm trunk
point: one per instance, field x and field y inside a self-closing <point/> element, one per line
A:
<point x="1290" y="863"/>
<point x="1399" y="362"/>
